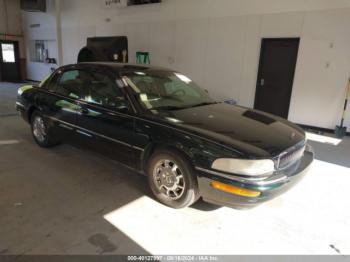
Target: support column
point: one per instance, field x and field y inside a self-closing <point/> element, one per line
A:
<point x="59" y="32"/>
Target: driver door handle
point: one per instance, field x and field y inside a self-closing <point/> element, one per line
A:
<point x="262" y="82"/>
<point x="84" y="111"/>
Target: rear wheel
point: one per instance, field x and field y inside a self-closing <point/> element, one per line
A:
<point x="41" y="131"/>
<point x="171" y="179"/>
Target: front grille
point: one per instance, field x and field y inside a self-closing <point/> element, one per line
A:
<point x="290" y="156"/>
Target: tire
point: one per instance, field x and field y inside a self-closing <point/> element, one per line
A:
<point x="41" y="131"/>
<point x="168" y="170"/>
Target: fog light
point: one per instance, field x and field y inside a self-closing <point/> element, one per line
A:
<point x="235" y="190"/>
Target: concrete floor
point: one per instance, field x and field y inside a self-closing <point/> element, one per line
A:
<point x="68" y="201"/>
<point x="8" y="92"/>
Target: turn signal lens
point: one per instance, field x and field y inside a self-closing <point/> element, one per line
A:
<point x="235" y="190"/>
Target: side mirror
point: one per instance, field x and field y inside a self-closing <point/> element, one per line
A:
<point x="121" y="105"/>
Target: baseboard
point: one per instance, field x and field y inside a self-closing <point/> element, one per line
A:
<point x="319" y="129"/>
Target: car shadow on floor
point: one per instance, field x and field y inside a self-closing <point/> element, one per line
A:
<point x="54" y="200"/>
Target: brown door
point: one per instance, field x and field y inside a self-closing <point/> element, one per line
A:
<point x="278" y="59"/>
<point x="9" y="61"/>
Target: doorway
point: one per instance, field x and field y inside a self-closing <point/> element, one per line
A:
<point x="9" y="61"/>
<point x="278" y="57"/>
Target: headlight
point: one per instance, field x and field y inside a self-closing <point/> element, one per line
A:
<point x="244" y="167"/>
<point x="22" y="89"/>
<point x="19" y="91"/>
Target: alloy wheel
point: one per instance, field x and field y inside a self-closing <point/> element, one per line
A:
<point x="169" y="179"/>
<point x="39" y="129"/>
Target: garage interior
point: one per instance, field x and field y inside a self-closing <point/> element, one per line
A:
<point x="68" y="201"/>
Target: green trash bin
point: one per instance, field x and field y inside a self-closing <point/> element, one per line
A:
<point x="143" y="58"/>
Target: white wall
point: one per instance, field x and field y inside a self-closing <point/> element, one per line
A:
<point x="10" y="17"/>
<point x="217" y="43"/>
<point x="46" y="31"/>
<point x="11" y="23"/>
<point x="323" y="69"/>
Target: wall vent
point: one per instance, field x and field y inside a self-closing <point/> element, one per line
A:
<point x="107" y="4"/>
<point x="34" y="25"/>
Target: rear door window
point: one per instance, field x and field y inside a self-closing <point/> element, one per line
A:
<point x="73" y="84"/>
<point x="103" y="90"/>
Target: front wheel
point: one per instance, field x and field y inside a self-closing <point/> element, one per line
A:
<point x="41" y="131"/>
<point x="171" y="179"/>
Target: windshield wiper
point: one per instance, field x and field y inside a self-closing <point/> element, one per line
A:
<point x="203" y="104"/>
<point x="167" y="108"/>
<point x="179" y="108"/>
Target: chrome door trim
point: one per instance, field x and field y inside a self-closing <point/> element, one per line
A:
<point x="65" y="126"/>
<point x="83" y="133"/>
<point x="90" y="133"/>
<point x="20" y="104"/>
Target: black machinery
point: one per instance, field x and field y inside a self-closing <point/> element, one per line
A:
<point x="105" y="49"/>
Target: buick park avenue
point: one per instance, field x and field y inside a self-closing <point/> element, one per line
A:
<point x="158" y="122"/>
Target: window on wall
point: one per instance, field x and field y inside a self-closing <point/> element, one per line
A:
<point x="43" y="51"/>
<point x="38" y="51"/>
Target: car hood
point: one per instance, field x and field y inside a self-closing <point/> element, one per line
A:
<point x="251" y="132"/>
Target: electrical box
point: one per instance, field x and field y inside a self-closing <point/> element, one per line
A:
<point x="33" y="5"/>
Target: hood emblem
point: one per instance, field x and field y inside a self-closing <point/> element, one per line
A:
<point x="292" y="136"/>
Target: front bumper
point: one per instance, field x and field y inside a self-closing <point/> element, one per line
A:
<point x="21" y="109"/>
<point x="270" y="188"/>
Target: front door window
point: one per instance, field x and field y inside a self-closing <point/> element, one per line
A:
<point x="8" y="53"/>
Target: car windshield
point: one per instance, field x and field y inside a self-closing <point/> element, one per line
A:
<point x="162" y="90"/>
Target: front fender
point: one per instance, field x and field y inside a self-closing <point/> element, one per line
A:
<point x="199" y="151"/>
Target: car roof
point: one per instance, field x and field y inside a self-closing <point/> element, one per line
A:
<point x="124" y="68"/>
